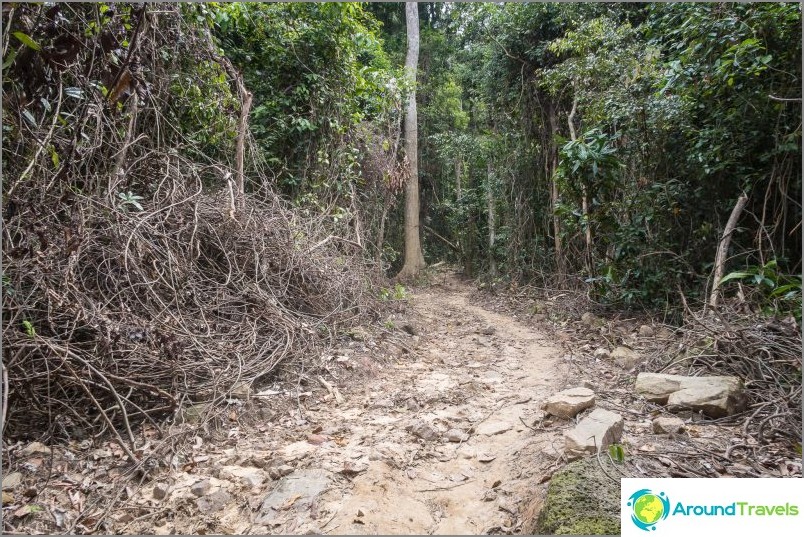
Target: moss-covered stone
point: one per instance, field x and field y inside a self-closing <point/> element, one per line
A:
<point x="581" y="500"/>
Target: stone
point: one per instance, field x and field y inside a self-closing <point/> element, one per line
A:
<point x="251" y="477"/>
<point x="425" y="431"/>
<point x="7" y="498"/>
<point x="34" y="448"/>
<point x="581" y="500"/>
<point x="280" y="471"/>
<point x="241" y="390"/>
<point x="11" y="480"/>
<point x="456" y="435"/>
<point x="665" y="333"/>
<point x="193" y="413"/>
<point x="489" y="330"/>
<point x="490" y="428"/>
<point x="596" y="431"/>
<point x="301" y="488"/>
<point x="601" y="353"/>
<point x="715" y="397"/>
<point x="566" y="404"/>
<point x="160" y="491"/>
<point x="214" y="502"/>
<point x="625" y="357"/>
<point x="668" y="425"/>
<point x="200" y="488"/>
<point x="591" y="320"/>
<point x="645" y="331"/>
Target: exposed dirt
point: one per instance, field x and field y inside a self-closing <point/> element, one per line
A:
<point x="440" y="439"/>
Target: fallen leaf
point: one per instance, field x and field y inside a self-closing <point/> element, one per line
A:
<point x="26" y="510"/>
<point x="317" y="439"/>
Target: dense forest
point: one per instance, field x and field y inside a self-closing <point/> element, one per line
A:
<point x="202" y="195"/>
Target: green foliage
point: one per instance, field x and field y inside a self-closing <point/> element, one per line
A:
<point x="617" y="453"/>
<point x="30" y="331"/>
<point x="129" y="199"/>
<point x="397" y="293"/>
<point x="775" y="293"/>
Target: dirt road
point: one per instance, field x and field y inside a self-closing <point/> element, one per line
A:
<point x="439" y="441"/>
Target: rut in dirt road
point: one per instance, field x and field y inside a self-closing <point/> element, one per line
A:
<point x="459" y="459"/>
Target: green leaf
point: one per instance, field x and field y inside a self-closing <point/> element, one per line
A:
<point x="27" y="41"/>
<point x="54" y="157"/>
<point x="735" y="276"/>
<point x="12" y="55"/>
<point x="617" y="453"/>
<point x="29" y="329"/>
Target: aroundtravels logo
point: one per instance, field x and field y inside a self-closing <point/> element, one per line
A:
<point x="648" y="508"/>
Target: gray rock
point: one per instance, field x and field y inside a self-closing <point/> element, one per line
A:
<point x="566" y="404"/>
<point x="214" y="502"/>
<point x="34" y="448"/>
<point x="490" y="428"/>
<point x="591" y="320"/>
<point x="645" y="331"/>
<point x="665" y="333"/>
<point x="280" y="471"/>
<point x="625" y="357"/>
<point x="596" y="431"/>
<point x="200" y="488"/>
<point x="714" y="396"/>
<point x="456" y="435"/>
<point x="489" y="330"/>
<point x="601" y="353"/>
<point x="11" y="480"/>
<point x="304" y="485"/>
<point x="425" y="431"/>
<point x="668" y="425"/>
<point x="581" y="500"/>
<point x="160" y="491"/>
<point x="251" y="477"/>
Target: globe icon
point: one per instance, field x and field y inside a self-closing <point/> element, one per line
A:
<point x="648" y="509"/>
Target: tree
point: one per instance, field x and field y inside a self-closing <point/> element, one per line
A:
<point x="414" y="259"/>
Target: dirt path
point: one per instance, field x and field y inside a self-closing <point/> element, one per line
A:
<point x="441" y="441"/>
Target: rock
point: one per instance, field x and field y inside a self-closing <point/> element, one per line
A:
<point x="214" y="502"/>
<point x="278" y="472"/>
<point x="359" y="333"/>
<point x="625" y="357"/>
<point x="7" y="498"/>
<point x="301" y="488"/>
<point x="668" y="425"/>
<point x="193" y="413"/>
<point x="250" y="477"/>
<point x="11" y="480"/>
<point x="566" y="404"/>
<point x="714" y="396"/>
<point x="581" y="500"/>
<point x="489" y="330"/>
<point x="591" y="320"/>
<point x="490" y="428"/>
<point x="665" y="333"/>
<point x="596" y="431"/>
<point x="241" y="390"/>
<point x="160" y="491"/>
<point x="34" y="448"/>
<point x="425" y="431"/>
<point x="456" y="435"/>
<point x="601" y="353"/>
<point x="200" y="488"/>
<point x="645" y="331"/>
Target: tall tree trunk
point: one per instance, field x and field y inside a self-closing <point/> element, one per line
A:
<point x="414" y="259"/>
<point x="458" y="178"/>
<point x="491" y="216"/>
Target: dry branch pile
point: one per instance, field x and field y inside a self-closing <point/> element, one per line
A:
<point x="132" y="284"/>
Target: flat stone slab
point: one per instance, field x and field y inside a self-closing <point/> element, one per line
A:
<point x="668" y="425"/>
<point x="596" y="431"/>
<point x="300" y="487"/>
<point x="566" y="404"/>
<point x="714" y="396"/>
<point x="490" y="428"/>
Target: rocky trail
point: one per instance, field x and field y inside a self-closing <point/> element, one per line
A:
<point x="452" y="421"/>
<point x="433" y="443"/>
